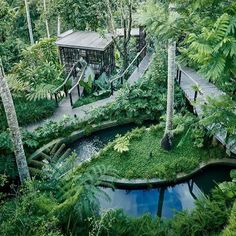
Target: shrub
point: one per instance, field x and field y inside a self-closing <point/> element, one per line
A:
<point x="28" y="111"/>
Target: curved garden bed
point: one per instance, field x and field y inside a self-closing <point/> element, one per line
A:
<point x="139" y="160"/>
<point x="144" y="183"/>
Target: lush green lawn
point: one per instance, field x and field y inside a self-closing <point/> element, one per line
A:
<point x="146" y="159"/>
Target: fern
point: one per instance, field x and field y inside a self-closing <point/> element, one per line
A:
<point x="121" y="144"/>
<point x="41" y="91"/>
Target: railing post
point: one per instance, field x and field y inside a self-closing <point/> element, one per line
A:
<point x="177" y="75"/>
<point x="65" y="90"/>
<point x="71" y="101"/>
<point x="78" y="90"/>
<point x="56" y="99"/>
<point x="195" y="96"/>
<point x="180" y="75"/>
<point x="122" y="79"/>
<point x="112" y="89"/>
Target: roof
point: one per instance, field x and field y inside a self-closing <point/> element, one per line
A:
<point x="64" y="34"/>
<point x="85" y="40"/>
<point x="134" y="32"/>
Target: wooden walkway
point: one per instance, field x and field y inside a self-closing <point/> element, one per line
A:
<point x="188" y="78"/>
<point x="83" y="112"/>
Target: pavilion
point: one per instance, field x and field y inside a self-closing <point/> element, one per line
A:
<point x="95" y="49"/>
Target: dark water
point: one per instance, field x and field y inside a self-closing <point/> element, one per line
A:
<point x="88" y="146"/>
<point x="164" y="201"/>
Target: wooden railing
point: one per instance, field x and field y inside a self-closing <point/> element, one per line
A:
<point x="179" y="77"/>
<point x="121" y="77"/>
<point x="77" y="84"/>
<point x="57" y="91"/>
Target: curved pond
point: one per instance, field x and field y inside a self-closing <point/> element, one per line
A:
<point x="160" y="201"/>
<point x="167" y="200"/>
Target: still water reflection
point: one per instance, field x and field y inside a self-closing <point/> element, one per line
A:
<point x="167" y="200"/>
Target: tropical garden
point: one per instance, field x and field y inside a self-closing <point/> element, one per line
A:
<point x="143" y="150"/>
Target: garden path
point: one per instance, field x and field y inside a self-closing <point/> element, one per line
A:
<point x="187" y="79"/>
<point x="83" y="112"/>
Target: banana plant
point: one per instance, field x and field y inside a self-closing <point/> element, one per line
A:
<point x="88" y="82"/>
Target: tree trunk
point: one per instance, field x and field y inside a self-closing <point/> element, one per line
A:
<point x="58" y="25"/>
<point x="14" y="129"/>
<point x="29" y="22"/>
<point x="127" y="25"/>
<point x="166" y="142"/>
<point x="46" y="18"/>
<point x="2" y="72"/>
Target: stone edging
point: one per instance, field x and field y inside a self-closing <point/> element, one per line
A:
<point x="144" y="183"/>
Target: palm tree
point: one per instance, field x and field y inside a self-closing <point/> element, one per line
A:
<point x="166" y="141"/>
<point x="14" y="128"/>
<point x="29" y="22"/>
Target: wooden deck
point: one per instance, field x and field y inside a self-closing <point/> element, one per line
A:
<point x="187" y="78"/>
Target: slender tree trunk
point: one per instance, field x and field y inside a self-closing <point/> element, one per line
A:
<point x="111" y="23"/>
<point x="46" y="18"/>
<point x="14" y="129"/>
<point x="2" y="72"/>
<point x="127" y="25"/>
<point x="167" y="139"/>
<point x="29" y="22"/>
<point x="58" y="25"/>
<point x="166" y="142"/>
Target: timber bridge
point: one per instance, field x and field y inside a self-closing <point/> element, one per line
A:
<point x="187" y="79"/>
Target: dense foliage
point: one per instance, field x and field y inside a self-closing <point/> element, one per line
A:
<point x="39" y="72"/>
<point x="59" y="203"/>
<point x="45" y="208"/>
<point x="215" y="113"/>
<point x="152" y="105"/>
<point x="29" y="111"/>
